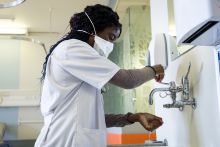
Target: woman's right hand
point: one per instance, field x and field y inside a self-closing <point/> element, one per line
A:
<point x="159" y="72"/>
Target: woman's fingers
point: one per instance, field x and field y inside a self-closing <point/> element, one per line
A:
<point x="150" y="122"/>
<point x="156" y="123"/>
<point x="159" y="78"/>
<point x="159" y="72"/>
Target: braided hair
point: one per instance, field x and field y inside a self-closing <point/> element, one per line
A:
<point x="102" y="18"/>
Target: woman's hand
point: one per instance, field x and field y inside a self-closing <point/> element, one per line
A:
<point x="159" y="72"/>
<point x="148" y="121"/>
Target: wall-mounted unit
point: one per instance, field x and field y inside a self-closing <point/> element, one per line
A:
<point x="197" y="22"/>
<point x="162" y="50"/>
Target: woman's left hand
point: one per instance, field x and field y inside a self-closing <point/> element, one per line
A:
<point x="148" y="121"/>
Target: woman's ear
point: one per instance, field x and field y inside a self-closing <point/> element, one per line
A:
<point x="91" y="40"/>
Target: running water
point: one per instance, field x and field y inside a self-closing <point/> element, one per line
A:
<point x="149" y="141"/>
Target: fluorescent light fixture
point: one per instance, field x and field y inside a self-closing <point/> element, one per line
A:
<point x="12" y="3"/>
<point x="12" y="30"/>
<point x="8" y="26"/>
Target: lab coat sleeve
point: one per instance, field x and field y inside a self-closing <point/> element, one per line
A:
<point x="83" y="62"/>
<point x="117" y="120"/>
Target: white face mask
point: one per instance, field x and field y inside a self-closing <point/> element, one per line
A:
<point x="103" y="47"/>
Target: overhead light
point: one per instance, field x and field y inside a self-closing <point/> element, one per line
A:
<point x="12" y="3"/>
<point x="12" y="30"/>
<point x="8" y="26"/>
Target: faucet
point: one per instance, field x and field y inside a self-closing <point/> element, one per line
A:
<point x="173" y="89"/>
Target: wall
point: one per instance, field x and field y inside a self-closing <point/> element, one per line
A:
<point x="9" y="68"/>
<point x="190" y="128"/>
<point x="199" y="127"/>
<point x="20" y="88"/>
<point x="47" y="38"/>
<point x="159" y="16"/>
<point x="17" y="76"/>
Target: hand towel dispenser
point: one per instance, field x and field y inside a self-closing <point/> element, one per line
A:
<point x="197" y="22"/>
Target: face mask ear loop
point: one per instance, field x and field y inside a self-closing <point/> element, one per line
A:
<point x="91" y="22"/>
<point x="84" y="32"/>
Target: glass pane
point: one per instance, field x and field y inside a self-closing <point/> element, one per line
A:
<point x="129" y="53"/>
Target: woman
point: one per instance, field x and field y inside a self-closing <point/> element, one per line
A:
<point x="74" y="72"/>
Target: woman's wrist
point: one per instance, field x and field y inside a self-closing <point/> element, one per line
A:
<point x="132" y="118"/>
<point x="158" y="69"/>
<point x="154" y="70"/>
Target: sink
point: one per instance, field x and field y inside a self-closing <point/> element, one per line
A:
<point x="132" y="145"/>
<point x="148" y="144"/>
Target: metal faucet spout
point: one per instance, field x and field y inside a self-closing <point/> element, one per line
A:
<point x="150" y="101"/>
<point x="172" y="90"/>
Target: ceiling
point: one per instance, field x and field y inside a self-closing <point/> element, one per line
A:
<point x="46" y="15"/>
<point x="122" y="5"/>
<point x="52" y="16"/>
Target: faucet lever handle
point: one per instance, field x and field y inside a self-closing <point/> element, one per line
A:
<point x="164" y="83"/>
<point x="188" y="70"/>
<point x="163" y="94"/>
<point x="182" y="80"/>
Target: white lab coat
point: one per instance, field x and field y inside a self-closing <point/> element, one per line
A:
<point x="71" y="102"/>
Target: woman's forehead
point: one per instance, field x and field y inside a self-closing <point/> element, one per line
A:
<point x="113" y="30"/>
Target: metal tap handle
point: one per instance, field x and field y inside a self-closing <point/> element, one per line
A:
<point x="182" y="80"/>
<point x="165" y="94"/>
<point x="172" y="83"/>
<point x="164" y="83"/>
<point x="187" y="74"/>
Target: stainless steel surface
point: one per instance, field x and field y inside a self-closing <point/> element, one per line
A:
<point x="180" y="104"/>
<point x="173" y="89"/>
<point x="154" y="91"/>
<point x="185" y="83"/>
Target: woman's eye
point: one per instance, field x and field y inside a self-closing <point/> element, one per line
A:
<point x="112" y="37"/>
